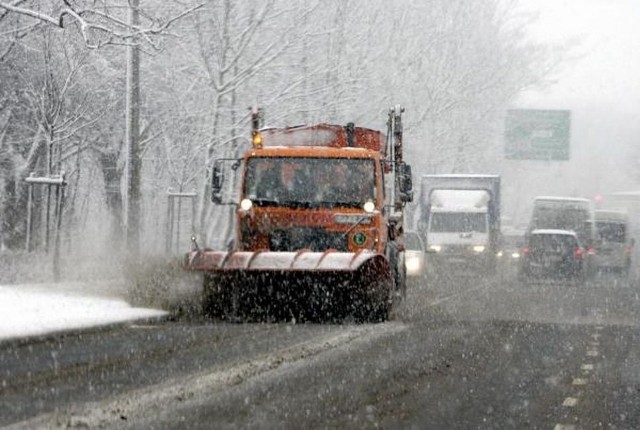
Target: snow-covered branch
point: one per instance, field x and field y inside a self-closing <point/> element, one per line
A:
<point x="99" y="28"/>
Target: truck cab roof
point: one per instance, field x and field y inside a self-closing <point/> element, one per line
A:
<point x="313" y="152"/>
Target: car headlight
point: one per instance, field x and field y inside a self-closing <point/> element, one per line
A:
<point x="413" y="265"/>
<point x="478" y="248"/>
<point x="515" y="255"/>
<point x="435" y="248"/>
<point x="499" y="254"/>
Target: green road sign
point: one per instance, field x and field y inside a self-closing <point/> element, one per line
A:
<point x="533" y="134"/>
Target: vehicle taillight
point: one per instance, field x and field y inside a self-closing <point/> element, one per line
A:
<point x="578" y="253"/>
<point x="526" y="251"/>
<point x="591" y="250"/>
<point x="628" y="250"/>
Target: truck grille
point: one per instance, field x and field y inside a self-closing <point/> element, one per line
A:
<point x="315" y="239"/>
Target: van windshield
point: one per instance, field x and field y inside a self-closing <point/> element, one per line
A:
<point x="560" y="218"/>
<point x="611" y="232"/>
<point x="563" y="218"/>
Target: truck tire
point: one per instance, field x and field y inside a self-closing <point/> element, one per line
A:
<point x="399" y="271"/>
<point x="401" y="282"/>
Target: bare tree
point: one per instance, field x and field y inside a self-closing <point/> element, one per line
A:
<point x="58" y="104"/>
<point x="457" y="66"/>
<point x="100" y="23"/>
<point x="454" y="65"/>
<point x="229" y="45"/>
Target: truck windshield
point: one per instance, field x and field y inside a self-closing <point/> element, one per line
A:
<point x="310" y="182"/>
<point x="458" y="222"/>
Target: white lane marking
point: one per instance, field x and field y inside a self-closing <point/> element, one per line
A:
<point x="570" y="402"/>
<point x="594" y="343"/>
<point x="592" y="353"/>
<point x="595" y="336"/>
<point x="579" y="381"/>
<point x="586" y="367"/>
<point x="599" y="327"/>
<point x="564" y="427"/>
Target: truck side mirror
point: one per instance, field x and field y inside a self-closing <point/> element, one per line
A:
<point x="217" y="180"/>
<point x="223" y="178"/>
<point x="405" y="182"/>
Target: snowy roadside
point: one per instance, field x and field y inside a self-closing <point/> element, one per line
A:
<point x="39" y="309"/>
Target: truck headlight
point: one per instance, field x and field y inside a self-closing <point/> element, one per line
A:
<point x="369" y="207"/>
<point x="246" y="204"/>
<point x="478" y="248"/>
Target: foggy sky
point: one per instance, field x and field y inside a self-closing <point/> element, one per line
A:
<point x="599" y="83"/>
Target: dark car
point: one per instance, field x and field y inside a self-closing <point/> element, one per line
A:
<point x="553" y="254"/>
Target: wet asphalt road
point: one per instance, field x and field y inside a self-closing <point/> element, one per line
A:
<point x="460" y="354"/>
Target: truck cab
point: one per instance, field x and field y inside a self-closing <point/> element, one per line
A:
<point x="311" y="198"/>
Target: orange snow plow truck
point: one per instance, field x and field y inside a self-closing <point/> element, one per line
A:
<point x="318" y="228"/>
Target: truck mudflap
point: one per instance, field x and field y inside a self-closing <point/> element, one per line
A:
<point x="303" y="285"/>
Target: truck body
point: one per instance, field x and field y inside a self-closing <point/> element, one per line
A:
<point x="459" y="218"/>
<point x="317" y="233"/>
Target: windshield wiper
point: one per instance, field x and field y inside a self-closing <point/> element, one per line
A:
<point x="346" y="233"/>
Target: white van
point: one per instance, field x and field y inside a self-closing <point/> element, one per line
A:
<point x="613" y="245"/>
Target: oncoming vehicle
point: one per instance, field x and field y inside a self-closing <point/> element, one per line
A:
<point x="319" y="226"/>
<point x="613" y="246"/>
<point x="414" y="256"/>
<point x="460" y="219"/>
<point x="553" y="254"/>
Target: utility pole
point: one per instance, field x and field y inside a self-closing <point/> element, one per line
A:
<point x="132" y="136"/>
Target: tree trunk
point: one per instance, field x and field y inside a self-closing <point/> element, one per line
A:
<point x="132" y="138"/>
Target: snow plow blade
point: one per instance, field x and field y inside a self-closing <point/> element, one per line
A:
<point x="303" y="285"/>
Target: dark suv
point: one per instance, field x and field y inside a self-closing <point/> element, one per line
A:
<point x="553" y="254"/>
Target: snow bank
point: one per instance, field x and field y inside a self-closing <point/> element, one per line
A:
<point x="38" y="310"/>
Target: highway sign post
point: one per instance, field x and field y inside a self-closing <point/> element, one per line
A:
<point x="535" y="134"/>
